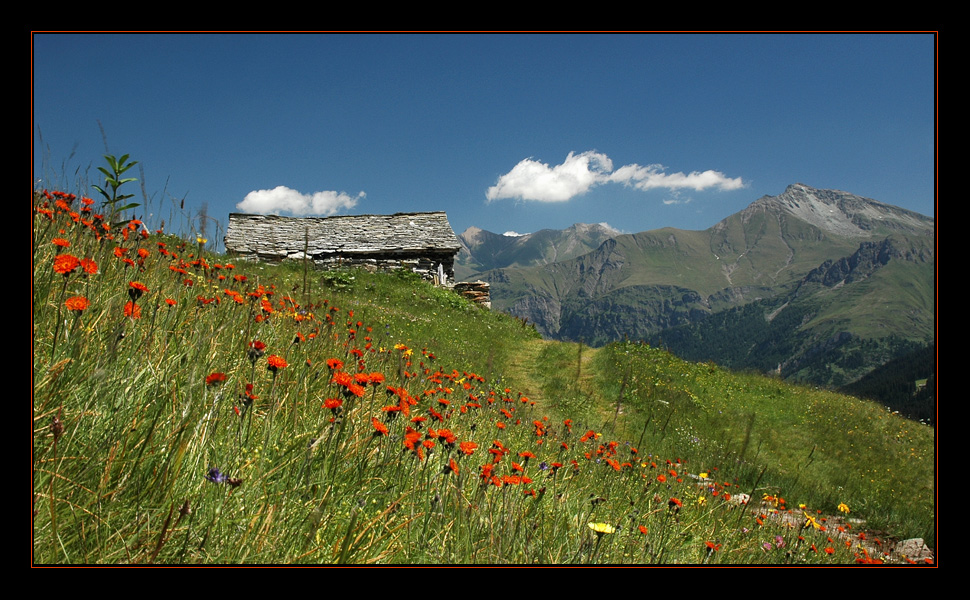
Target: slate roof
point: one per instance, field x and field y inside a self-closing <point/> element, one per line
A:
<point x="400" y="233"/>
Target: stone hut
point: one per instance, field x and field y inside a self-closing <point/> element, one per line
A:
<point x="423" y="242"/>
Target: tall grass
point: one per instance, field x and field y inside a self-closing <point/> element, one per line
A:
<point x="194" y="411"/>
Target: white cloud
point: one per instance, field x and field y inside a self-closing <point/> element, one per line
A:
<point x="533" y="180"/>
<point x="653" y="177"/>
<point x="283" y="199"/>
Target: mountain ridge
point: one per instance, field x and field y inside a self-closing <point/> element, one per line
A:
<point x="783" y="247"/>
<point x="484" y="250"/>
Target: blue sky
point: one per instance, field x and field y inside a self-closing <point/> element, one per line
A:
<point x="506" y="132"/>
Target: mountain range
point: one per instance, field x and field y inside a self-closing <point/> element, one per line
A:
<point x="816" y="285"/>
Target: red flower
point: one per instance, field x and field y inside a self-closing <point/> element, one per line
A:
<point x="256" y="348"/>
<point x="215" y="379"/>
<point x="77" y="303"/>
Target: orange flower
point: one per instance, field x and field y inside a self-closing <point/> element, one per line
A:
<point x="354" y="390"/>
<point x="77" y="303"/>
<point x="136" y="289"/>
<point x="379" y="428"/>
<point x="61" y="242"/>
<point x="65" y="264"/>
<point x="276" y="362"/>
<point x="132" y="310"/>
<point x="90" y="267"/>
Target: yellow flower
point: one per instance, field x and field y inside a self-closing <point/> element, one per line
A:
<point x="701" y="500"/>
<point x="703" y="475"/>
<point x="810" y="520"/>
<point x="601" y="528"/>
<point x="843" y="507"/>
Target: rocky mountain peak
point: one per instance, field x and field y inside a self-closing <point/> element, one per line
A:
<point x="841" y="213"/>
<point x="471" y="236"/>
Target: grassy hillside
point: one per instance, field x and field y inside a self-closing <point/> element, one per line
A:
<point x="188" y="410"/>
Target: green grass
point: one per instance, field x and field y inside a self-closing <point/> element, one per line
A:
<point x="150" y="448"/>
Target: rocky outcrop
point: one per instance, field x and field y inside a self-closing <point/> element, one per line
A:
<point x="863" y="262"/>
<point x="476" y="291"/>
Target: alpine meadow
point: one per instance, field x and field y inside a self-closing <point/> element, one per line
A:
<point x="191" y="409"/>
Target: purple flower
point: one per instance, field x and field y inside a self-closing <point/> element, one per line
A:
<point x="215" y="476"/>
